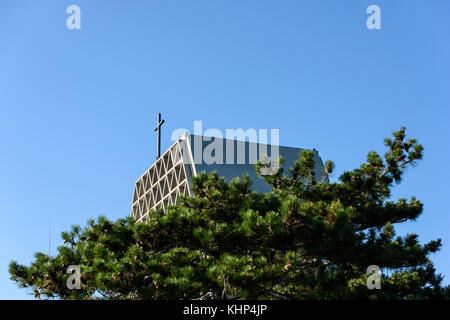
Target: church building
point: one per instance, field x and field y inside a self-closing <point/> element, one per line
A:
<point x="170" y="176"/>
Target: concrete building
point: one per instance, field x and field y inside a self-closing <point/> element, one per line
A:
<point x="170" y="176"/>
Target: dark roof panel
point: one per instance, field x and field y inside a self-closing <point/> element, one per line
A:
<point x="228" y="164"/>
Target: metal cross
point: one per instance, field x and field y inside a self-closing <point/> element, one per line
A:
<point x="158" y="128"/>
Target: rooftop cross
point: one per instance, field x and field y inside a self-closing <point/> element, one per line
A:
<point x="158" y="128"/>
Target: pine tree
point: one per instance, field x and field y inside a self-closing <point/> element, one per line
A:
<point x="308" y="238"/>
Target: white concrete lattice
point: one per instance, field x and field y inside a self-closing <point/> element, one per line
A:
<point x="163" y="183"/>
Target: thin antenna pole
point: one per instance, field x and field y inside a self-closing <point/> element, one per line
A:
<point x="49" y="222"/>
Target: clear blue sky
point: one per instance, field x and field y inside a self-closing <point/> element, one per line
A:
<point x="78" y="107"/>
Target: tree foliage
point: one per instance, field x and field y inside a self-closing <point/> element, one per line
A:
<point x="308" y="238"/>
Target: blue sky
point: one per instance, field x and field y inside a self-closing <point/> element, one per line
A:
<point x="78" y="107"/>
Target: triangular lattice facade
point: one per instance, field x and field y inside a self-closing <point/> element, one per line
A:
<point x="163" y="183"/>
